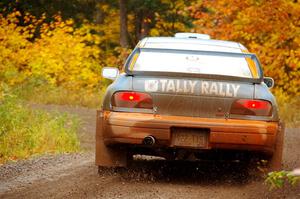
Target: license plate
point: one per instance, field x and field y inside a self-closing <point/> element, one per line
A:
<point x="194" y="138"/>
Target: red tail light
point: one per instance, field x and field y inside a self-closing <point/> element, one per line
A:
<point x="129" y="99"/>
<point x="251" y="107"/>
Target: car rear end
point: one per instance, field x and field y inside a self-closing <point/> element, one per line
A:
<point x="181" y="98"/>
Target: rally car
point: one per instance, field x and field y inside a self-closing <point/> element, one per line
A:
<point x="188" y="96"/>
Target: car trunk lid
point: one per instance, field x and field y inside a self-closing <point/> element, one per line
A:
<point x="195" y="97"/>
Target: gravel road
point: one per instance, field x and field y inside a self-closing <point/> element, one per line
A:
<point x="75" y="175"/>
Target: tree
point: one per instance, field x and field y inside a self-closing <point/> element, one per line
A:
<point x="123" y="23"/>
<point x="158" y="17"/>
<point x="78" y="10"/>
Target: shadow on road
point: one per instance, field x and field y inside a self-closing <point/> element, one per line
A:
<point x="187" y="172"/>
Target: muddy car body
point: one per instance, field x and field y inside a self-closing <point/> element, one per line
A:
<point x="188" y="94"/>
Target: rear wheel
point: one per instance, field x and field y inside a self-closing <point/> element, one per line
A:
<point x="275" y="162"/>
<point x="108" y="156"/>
<point x="129" y="159"/>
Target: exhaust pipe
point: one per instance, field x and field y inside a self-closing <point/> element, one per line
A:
<point x="149" y="140"/>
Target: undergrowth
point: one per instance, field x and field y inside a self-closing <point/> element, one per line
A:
<point x="41" y="92"/>
<point x="278" y="179"/>
<point x="25" y="132"/>
<point x="289" y="112"/>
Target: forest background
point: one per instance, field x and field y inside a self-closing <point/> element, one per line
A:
<point x="52" y="51"/>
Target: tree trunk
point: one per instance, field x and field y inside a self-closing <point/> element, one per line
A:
<point x="145" y="28"/>
<point x="138" y="25"/>
<point x="123" y="24"/>
<point x="99" y="15"/>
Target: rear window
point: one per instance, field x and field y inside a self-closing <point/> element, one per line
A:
<point x="199" y="62"/>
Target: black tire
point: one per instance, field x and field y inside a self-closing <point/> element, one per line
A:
<point x="275" y="162"/>
<point x="130" y="159"/>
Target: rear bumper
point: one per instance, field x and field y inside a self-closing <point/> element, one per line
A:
<point x="132" y="128"/>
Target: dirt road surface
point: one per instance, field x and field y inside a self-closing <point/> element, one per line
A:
<point x="75" y="175"/>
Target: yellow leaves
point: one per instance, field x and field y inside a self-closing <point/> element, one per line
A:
<point x="13" y="41"/>
<point x="69" y="22"/>
<point x="154" y="32"/>
<point x="62" y="55"/>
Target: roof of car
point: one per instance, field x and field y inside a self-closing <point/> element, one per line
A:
<point x="191" y="44"/>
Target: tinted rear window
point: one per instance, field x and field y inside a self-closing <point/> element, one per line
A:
<point x="182" y="61"/>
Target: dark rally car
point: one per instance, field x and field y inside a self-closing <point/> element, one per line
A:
<point x="188" y="95"/>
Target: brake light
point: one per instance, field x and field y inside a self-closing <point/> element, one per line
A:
<point x="251" y="107"/>
<point x="129" y="99"/>
<point x="126" y="96"/>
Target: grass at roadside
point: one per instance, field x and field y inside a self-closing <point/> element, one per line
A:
<point x="290" y="113"/>
<point x="43" y="93"/>
<point x="25" y="132"/>
<point x="277" y="179"/>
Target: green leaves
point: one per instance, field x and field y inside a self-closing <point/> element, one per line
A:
<point x="279" y="178"/>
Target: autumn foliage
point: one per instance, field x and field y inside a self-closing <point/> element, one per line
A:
<point x="271" y="29"/>
<point x="61" y="55"/>
<point x="70" y="53"/>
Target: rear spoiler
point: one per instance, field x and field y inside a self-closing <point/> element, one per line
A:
<point x="208" y="76"/>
